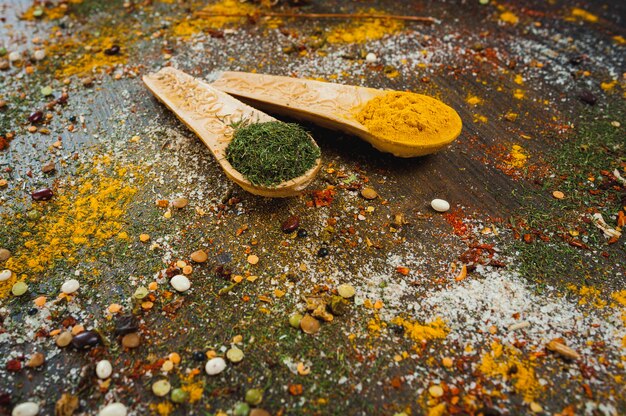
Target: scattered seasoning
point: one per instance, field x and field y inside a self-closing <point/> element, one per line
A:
<point x="270" y="153"/>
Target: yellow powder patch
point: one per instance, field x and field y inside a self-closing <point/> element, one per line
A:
<point x="162" y="409"/>
<point x="519" y="80"/>
<point x="500" y="362"/>
<point x="410" y="118"/>
<point x="517" y="157"/>
<point x="608" y="86"/>
<point x="519" y="94"/>
<point x="375" y="325"/>
<point x="589" y="295"/>
<point x="438" y="410"/>
<point x="473" y="100"/>
<point x="194" y="389"/>
<point x="620" y="297"/>
<point x="479" y="118"/>
<point x="363" y="30"/>
<point x="509" y="17"/>
<point x="84" y="54"/>
<point x="216" y="18"/>
<point x="619" y="39"/>
<point x="584" y="15"/>
<point x="82" y="217"/>
<point x="436" y="329"/>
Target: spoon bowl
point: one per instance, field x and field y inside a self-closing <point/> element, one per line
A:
<point x="210" y="114"/>
<point x="334" y="106"/>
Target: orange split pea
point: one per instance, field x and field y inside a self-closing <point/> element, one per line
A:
<point x="174" y="357"/>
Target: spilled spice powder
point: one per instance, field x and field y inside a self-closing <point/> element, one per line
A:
<point x="584" y="15"/>
<point x="81" y="217"/>
<point x="215" y="18"/>
<point x="83" y="54"/>
<point x="191" y="387"/>
<point x="364" y="30"/>
<point x="436" y="329"/>
<point x="507" y="363"/>
<point x="517" y="157"/>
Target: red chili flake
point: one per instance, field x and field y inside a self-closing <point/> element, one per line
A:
<point x="4" y="142"/>
<point x="323" y="198"/>
<point x="578" y="244"/>
<point x="69" y="321"/>
<point x="295" y="389"/>
<point x="404" y="271"/>
<point x="455" y="220"/>
<point x="396" y="382"/>
<point x="14" y="365"/>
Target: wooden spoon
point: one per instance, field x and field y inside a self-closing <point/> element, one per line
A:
<point x="209" y="113"/>
<point x="334" y="106"/>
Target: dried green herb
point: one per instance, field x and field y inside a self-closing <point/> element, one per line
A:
<point x="270" y="153"/>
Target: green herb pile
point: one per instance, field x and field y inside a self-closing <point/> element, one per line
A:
<point x="273" y="152"/>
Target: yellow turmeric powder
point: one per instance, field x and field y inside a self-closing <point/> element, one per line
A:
<point x="82" y="217"/>
<point x="365" y="30"/>
<point x="499" y="362"/>
<point x="410" y="118"/>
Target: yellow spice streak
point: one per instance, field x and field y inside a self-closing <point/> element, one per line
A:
<point x="218" y="18"/>
<point x="162" y="408"/>
<point x="436" y="329"/>
<point x="84" y="56"/>
<point x="363" y="30"/>
<point x="473" y="100"/>
<point x="409" y="118"/>
<point x="193" y="388"/>
<point x="507" y="363"/>
<point x="82" y="217"/>
<point x="589" y="295"/>
<point x="518" y="157"/>
<point x="608" y="86"/>
<point x="584" y="15"/>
